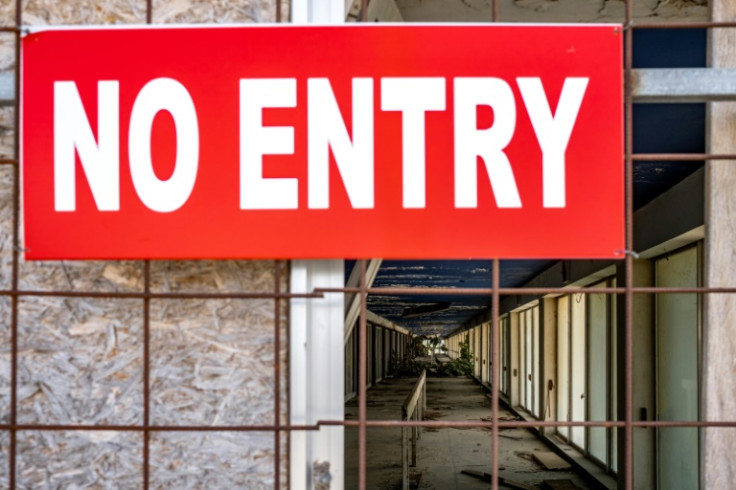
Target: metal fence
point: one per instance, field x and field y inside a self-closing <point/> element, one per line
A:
<point x="627" y="421"/>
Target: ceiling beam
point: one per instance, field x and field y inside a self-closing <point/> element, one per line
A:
<point x="683" y="84"/>
<point x="386" y="323"/>
<point x="352" y="300"/>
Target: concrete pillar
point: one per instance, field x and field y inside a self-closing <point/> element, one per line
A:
<point x="644" y="374"/>
<point x="718" y="401"/>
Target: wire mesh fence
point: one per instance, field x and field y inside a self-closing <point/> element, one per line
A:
<point x="160" y="438"/>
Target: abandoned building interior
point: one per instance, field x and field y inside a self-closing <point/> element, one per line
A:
<point x="258" y="374"/>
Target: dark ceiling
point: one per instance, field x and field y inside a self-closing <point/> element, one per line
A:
<point x="417" y="312"/>
<point x="657" y="128"/>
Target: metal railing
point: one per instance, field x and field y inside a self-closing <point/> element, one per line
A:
<point x="412" y="409"/>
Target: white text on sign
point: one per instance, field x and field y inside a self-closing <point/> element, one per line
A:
<point x="413" y="97"/>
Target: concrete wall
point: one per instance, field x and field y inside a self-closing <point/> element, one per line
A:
<point x="719" y="342"/>
<point x="389" y="348"/>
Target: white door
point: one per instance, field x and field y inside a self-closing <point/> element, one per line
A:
<point x="677" y="371"/>
<point x="563" y="364"/>
<point x="598" y="317"/>
<point x="577" y="372"/>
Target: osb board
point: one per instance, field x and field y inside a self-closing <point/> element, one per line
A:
<point x="213" y="460"/>
<point x="212" y="362"/>
<point x="210" y="276"/>
<point x="6" y="225"/>
<point x="7" y="64"/>
<point x="4" y="360"/>
<point x="108" y="459"/>
<point x="93" y="275"/>
<point x="7" y="12"/>
<point x="54" y="12"/>
<point x="80" y="359"/>
<point x="7" y="124"/>
<point x="81" y="459"/>
<point x="216" y="11"/>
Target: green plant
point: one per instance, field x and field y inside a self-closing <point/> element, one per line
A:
<point x="434" y="343"/>
<point x="418" y="349"/>
<point x="460" y="366"/>
<point x="408" y="366"/>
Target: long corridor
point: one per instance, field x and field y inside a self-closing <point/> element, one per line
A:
<point x="443" y="454"/>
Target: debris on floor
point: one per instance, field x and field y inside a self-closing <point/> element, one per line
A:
<point x="506" y="436"/>
<point x="501" y="481"/>
<point x="321" y="477"/>
<point x="550" y="460"/>
<point x="564" y="484"/>
<point x="444" y="451"/>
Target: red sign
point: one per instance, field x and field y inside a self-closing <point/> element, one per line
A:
<point x="356" y="141"/>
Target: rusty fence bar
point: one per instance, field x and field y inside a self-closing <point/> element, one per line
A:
<point x="628" y="432"/>
<point x="362" y="375"/>
<point x="12" y="463"/>
<point x="390" y="291"/>
<point x="495" y="304"/>
<point x="147" y="342"/>
<point x="369" y="423"/>
<point x="277" y="364"/>
<point x="146" y="373"/>
<point x="155" y="295"/>
<point x="443" y="424"/>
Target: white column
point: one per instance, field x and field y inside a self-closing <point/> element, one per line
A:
<point x="316" y="361"/>
<point x="317" y="369"/>
<point x="318" y="11"/>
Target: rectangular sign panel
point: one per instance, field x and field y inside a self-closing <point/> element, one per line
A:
<point x="394" y="141"/>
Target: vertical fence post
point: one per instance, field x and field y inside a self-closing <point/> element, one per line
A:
<point x="412" y="409"/>
<point x="414" y="438"/>
<point x="404" y="452"/>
